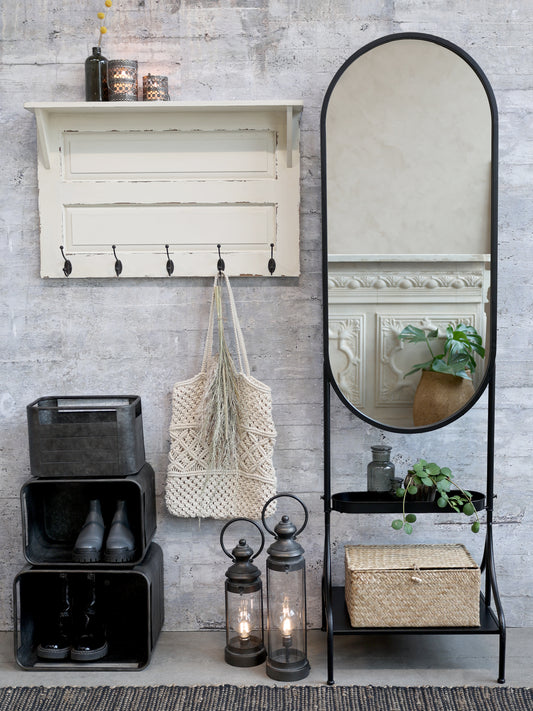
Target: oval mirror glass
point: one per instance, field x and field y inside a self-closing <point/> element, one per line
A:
<point x="409" y="177"/>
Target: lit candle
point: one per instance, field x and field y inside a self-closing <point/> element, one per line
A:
<point x="244" y="624"/>
<point x="244" y="630"/>
<point x="286" y="622"/>
<point x="155" y="88"/>
<point x="122" y="80"/>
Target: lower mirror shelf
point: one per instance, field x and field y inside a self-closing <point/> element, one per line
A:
<point x="384" y="502"/>
<point x="341" y="621"/>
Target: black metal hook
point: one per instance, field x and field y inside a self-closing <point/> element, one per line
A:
<point x="170" y="263"/>
<point x="221" y="266"/>
<point x="118" y="263"/>
<point x="271" y="261"/>
<point x="67" y="266"/>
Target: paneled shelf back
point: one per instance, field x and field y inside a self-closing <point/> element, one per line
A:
<point x="145" y="182"/>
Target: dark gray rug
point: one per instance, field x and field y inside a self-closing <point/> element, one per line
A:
<point x="265" y="698"/>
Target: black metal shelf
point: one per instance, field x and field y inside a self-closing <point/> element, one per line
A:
<point x="335" y="618"/>
<point x="382" y="502"/>
<point x="342" y="625"/>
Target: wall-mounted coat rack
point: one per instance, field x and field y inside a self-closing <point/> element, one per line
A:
<point x="149" y="190"/>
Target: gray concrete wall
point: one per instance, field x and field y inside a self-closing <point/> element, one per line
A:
<point x="140" y="336"/>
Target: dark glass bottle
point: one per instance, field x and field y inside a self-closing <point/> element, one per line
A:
<point x="96" y="76"/>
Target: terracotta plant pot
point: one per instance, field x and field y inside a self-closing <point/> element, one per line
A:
<point x="439" y="396"/>
<point x="424" y="493"/>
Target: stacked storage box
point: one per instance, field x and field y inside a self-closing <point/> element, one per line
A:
<point x="85" y="449"/>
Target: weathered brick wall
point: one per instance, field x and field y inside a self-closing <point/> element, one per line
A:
<point x="139" y="336"/>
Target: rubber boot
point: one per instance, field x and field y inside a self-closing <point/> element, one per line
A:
<point x="120" y="543"/>
<point x="89" y="640"/>
<point x="88" y="545"/>
<point x="57" y="640"/>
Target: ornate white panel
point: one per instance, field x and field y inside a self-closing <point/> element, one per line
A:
<point x="395" y="357"/>
<point x="346" y="349"/>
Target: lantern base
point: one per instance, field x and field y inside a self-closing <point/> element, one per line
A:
<point x="287" y="671"/>
<point x="238" y="657"/>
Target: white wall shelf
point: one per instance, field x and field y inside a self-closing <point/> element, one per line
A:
<point x="139" y="176"/>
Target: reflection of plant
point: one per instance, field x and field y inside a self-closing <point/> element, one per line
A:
<point x="431" y="475"/>
<point x="101" y="17"/>
<point x="461" y="343"/>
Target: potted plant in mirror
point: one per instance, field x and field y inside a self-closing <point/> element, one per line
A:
<point x="426" y="477"/>
<point x="446" y="381"/>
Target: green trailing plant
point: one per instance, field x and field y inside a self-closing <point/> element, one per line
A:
<point x="460" y="346"/>
<point x="424" y="474"/>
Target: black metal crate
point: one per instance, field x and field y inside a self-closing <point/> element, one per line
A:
<point x="86" y="436"/>
<point x="54" y="510"/>
<point x="130" y="602"/>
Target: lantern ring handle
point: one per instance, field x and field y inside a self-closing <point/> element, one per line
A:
<point x="290" y="496"/>
<point x="234" y="520"/>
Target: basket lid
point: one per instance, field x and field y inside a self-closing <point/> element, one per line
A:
<point x="407" y="557"/>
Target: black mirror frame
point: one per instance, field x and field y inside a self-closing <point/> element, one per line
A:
<point x="490" y="365"/>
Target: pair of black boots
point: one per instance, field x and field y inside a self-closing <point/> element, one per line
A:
<point x="74" y="631"/>
<point x="120" y="542"/>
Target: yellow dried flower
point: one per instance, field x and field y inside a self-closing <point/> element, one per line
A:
<point x="101" y="16"/>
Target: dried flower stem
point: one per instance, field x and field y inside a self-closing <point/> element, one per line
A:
<point x="101" y="17"/>
<point x="221" y="403"/>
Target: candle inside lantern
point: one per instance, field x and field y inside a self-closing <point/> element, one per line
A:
<point x="286" y="622"/>
<point x="122" y="80"/>
<point x="155" y="88"/>
<point x="244" y="625"/>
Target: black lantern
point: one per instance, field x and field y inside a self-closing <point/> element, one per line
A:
<point x="286" y="600"/>
<point x="244" y="604"/>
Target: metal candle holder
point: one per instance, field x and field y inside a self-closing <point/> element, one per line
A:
<point x="155" y="88"/>
<point x="122" y="80"/>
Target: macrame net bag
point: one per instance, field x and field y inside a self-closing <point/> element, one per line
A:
<point x="222" y="433"/>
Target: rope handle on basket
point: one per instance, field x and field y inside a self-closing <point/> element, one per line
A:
<point x="208" y="349"/>
<point x="239" y="338"/>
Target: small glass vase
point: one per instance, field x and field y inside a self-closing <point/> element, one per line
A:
<point x="380" y="471"/>
<point x="96" y="76"/>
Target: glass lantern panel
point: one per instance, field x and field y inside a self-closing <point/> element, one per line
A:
<point x="244" y="628"/>
<point x="287" y="641"/>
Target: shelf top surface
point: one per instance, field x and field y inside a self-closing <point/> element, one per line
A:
<point x="160" y="106"/>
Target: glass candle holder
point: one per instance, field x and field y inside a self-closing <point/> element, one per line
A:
<point x="122" y="80"/>
<point x="155" y="88"/>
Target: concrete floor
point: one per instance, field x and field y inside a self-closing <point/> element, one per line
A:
<point x="188" y="658"/>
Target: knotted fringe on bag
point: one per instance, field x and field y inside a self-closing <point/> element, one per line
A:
<point x="221" y="432"/>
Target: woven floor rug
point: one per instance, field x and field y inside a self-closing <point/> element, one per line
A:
<point x="265" y="698"/>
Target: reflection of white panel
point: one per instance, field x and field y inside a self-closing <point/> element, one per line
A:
<point x="396" y="358"/>
<point x="386" y="296"/>
<point x="94" y="228"/>
<point x="91" y="155"/>
<point x="346" y="349"/>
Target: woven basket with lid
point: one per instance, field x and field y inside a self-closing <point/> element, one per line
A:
<point x="412" y="586"/>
